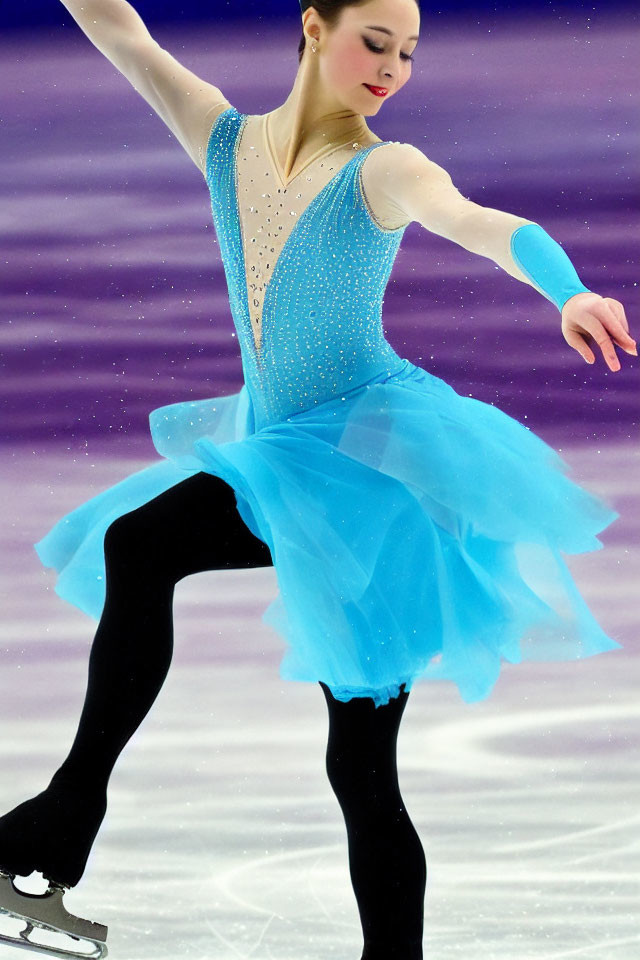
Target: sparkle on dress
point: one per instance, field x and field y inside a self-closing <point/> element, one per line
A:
<point x="415" y="532"/>
<point x="309" y="319"/>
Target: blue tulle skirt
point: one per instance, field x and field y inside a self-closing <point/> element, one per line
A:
<point x="415" y="533"/>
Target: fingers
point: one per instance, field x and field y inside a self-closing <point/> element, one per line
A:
<point x="602" y="338"/>
<point x="602" y="328"/>
<point x="591" y="327"/>
<point x="576" y="341"/>
<point x="617" y="310"/>
<point x="620" y="327"/>
<point x="603" y="321"/>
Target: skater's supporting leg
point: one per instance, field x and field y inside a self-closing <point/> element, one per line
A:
<point x="386" y="859"/>
<point x="192" y="527"/>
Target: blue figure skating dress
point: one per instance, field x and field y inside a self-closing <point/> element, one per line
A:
<point x="415" y="533"/>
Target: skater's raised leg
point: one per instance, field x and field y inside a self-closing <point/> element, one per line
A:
<point x="192" y="527"/>
<point x="386" y="859"/>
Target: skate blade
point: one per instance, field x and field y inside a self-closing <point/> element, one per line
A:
<point x="47" y="912"/>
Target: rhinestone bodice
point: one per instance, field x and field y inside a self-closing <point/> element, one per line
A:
<point x="306" y="269"/>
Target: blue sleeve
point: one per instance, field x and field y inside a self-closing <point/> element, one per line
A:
<point x="546" y="264"/>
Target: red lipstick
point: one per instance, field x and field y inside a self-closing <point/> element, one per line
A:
<point x="377" y="91"/>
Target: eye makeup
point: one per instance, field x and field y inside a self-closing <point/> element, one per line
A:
<point x="376" y="49"/>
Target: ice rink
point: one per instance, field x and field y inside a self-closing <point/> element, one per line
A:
<point x="223" y="838"/>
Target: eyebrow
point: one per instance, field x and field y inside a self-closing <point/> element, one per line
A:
<point x="389" y="32"/>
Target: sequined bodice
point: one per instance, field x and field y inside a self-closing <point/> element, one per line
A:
<point x="306" y="269"/>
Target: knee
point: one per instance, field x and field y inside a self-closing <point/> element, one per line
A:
<point x="128" y="539"/>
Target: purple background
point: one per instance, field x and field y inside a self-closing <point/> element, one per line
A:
<point x="114" y="300"/>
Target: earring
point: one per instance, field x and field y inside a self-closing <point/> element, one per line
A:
<point x="313" y="48"/>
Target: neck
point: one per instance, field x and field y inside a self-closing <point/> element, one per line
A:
<point x="307" y="120"/>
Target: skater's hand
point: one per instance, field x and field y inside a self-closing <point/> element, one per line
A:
<point x="588" y="317"/>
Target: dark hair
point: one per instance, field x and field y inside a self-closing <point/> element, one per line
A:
<point x="330" y="11"/>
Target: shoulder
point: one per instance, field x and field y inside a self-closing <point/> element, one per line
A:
<point x="405" y="158"/>
<point x="399" y="177"/>
<point x="377" y="172"/>
<point x="402" y="164"/>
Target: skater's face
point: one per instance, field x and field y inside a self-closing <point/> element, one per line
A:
<point x="353" y="53"/>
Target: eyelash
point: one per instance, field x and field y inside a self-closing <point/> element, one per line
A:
<point x="375" y="49"/>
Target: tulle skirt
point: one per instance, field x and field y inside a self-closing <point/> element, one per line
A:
<point x="415" y="533"/>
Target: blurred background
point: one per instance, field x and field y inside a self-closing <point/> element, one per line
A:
<point x="113" y="302"/>
<point x="114" y="299"/>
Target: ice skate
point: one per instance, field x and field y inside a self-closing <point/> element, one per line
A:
<point x="52" y="834"/>
<point x="47" y="912"/>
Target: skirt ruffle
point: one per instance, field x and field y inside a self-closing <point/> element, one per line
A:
<point x="415" y="533"/>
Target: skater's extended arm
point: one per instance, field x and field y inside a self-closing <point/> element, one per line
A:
<point x="425" y="193"/>
<point x="187" y="104"/>
<point x="418" y="189"/>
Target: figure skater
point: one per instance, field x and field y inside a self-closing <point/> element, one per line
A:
<point x="415" y="533"/>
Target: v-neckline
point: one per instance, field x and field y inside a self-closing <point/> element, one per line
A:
<point x="257" y="351"/>
<point x="269" y="146"/>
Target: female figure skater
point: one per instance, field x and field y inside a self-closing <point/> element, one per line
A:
<point x="415" y="533"/>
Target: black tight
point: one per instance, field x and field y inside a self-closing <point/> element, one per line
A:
<point x="190" y="528"/>
<point x="386" y="860"/>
